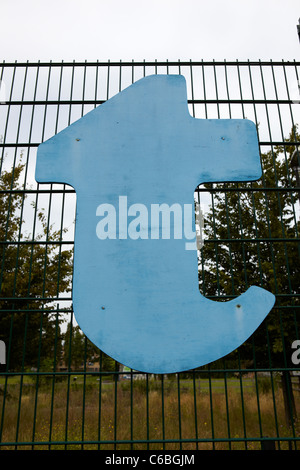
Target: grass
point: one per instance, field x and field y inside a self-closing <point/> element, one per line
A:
<point x="92" y="414"/>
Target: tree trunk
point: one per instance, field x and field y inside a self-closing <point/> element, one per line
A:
<point x="288" y="397"/>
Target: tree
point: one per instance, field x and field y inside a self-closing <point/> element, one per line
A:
<point x="74" y="347"/>
<point x="79" y="351"/>
<point x="260" y="220"/>
<point x="30" y="273"/>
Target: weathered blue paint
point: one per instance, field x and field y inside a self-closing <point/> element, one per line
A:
<point x="138" y="300"/>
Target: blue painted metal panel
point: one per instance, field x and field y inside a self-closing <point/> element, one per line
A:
<point x="135" y="289"/>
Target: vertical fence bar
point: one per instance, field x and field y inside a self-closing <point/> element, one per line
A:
<point x="179" y="411"/>
<point x="53" y="377"/>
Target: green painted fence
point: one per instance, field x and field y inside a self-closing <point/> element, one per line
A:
<point x="57" y="391"/>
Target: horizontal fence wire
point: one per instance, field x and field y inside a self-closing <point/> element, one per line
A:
<point x="57" y="390"/>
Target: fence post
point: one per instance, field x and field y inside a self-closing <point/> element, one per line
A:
<point x="2" y="352"/>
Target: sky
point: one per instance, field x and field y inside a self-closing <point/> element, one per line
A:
<point x="148" y="30"/>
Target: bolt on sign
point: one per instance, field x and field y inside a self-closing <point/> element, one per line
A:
<point x="134" y="163"/>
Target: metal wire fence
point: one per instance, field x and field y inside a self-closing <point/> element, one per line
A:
<point x="57" y="391"/>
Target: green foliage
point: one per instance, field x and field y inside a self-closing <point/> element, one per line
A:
<point x="30" y="272"/>
<point x="266" y="385"/>
<point x="265" y="217"/>
<point x="79" y="351"/>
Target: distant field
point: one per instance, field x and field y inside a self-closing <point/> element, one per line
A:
<point x="185" y="414"/>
